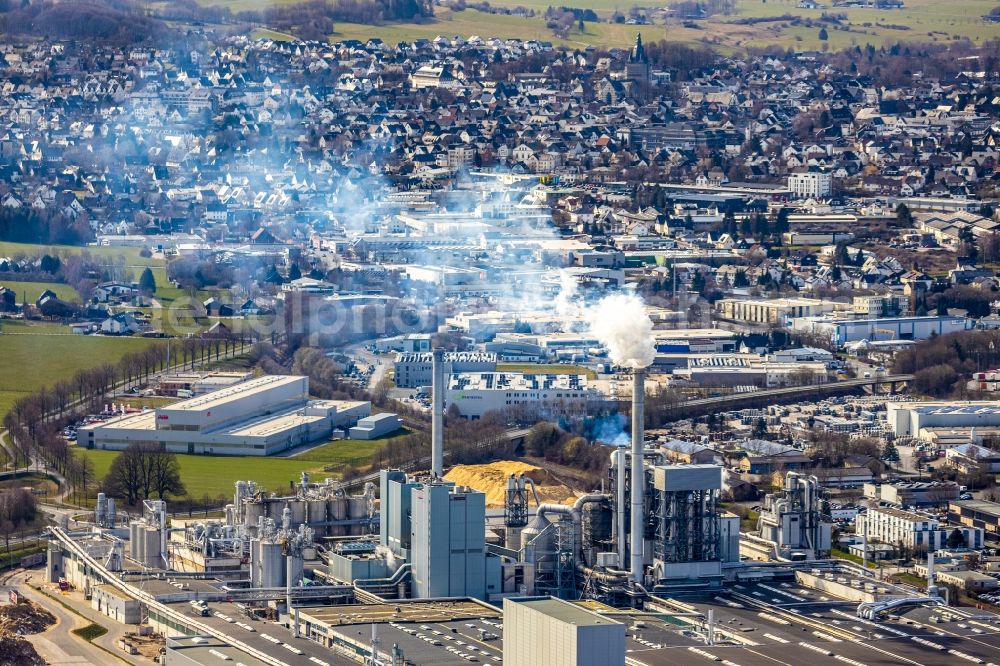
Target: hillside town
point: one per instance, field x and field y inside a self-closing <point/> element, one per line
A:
<point x="296" y="334"/>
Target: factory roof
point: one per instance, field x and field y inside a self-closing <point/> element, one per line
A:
<point x="206" y="650"/>
<point x="272" y="424"/>
<point x="564" y="611"/>
<point x="426" y="357"/>
<point x="984" y="506"/>
<point x="222" y="396"/>
<point x="513" y="381"/>
<point x="953" y="407"/>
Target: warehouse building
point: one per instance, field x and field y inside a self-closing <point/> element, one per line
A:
<point x="546" y="630"/>
<point x="413" y="370"/>
<point x="842" y="331"/>
<point x="259" y="417"/>
<point x="908" y="419"/>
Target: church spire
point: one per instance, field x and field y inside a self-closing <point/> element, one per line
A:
<point x="638" y="52"/>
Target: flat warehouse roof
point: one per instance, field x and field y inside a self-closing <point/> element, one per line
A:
<point x="216" y="398"/>
<point x="273" y="424"/>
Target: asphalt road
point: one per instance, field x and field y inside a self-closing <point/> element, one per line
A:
<point x="57" y="645"/>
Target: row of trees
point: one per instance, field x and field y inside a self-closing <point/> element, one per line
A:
<point x="35" y="421"/>
<point x="142" y="471"/>
<point x="17" y="511"/>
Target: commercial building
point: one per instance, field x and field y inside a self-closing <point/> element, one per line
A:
<point x="908" y="419"/>
<point x="913" y="493"/>
<point x="972" y="459"/>
<point x="771" y="311"/>
<point x="258" y="417"/>
<point x="755" y="373"/>
<point x="914" y="531"/>
<point x="881" y="305"/>
<point x="475" y="394"/>
<point x="413" y="370"/>
<point x="842" y="331"/>
<point x="810" y="184"/>
<point x="982" y="514"/>
<point x="544" y="630"/>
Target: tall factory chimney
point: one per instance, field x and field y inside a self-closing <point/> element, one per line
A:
<point x="638" y="473"/>
<point x="437" y="414"/>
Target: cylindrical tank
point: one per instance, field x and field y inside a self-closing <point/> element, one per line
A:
<point x="274" y="509"/>
<point x="337" y="508"/>
<point x="268" y="567"/>
<point x="295" y="570"/>
<point x="317" y="511"/>
<point x="135" y="542"/>
<point x="151" y="549"/>
<point x="298" y="512"/>
<point x="254" y="510"/>
<point x="538" y="541"/>
<point x="357" y="507"/>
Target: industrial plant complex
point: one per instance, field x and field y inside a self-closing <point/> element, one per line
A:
<point x="411" y="568"/>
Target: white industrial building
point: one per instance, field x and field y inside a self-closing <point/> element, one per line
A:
<point x="259" y="417"/>
<point x="915" y="531"/>
<point x="772" y="311"/>
<point x="375" y="426"/>
<point x="842" y="331"/>
<point x="908" y="419"/>
<point x="413" y="370"/>
<point x="475" y="394"/>
<point x="546" y="630"/>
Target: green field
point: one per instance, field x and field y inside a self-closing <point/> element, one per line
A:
<point x="33" y="356"/>
<point x="919" y="21"/>
<point x="215" y="475"/>
<point x="30" y="291"/>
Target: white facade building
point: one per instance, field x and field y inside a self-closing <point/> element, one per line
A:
<point x="477" y="393"/>
<point x="811" y="184"/>
<point x="913" y="530"/>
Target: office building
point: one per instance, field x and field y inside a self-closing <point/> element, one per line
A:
<point x="914" y="531"/>
<point x="810" y="184"/>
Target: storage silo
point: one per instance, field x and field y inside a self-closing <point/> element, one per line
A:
<point x="316" y="513"/>
<point x="357" y="507"/>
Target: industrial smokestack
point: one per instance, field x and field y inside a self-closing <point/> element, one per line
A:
<point x="620" y="503"/>
<point x="638" y="473"/>
<point x="437" y="414"/>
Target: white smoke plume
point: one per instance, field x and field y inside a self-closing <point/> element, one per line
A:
<point x="620" y="322"/>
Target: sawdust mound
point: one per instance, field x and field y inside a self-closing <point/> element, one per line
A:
<point x="24" y="618"/>
<point x="492" y="480"/>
